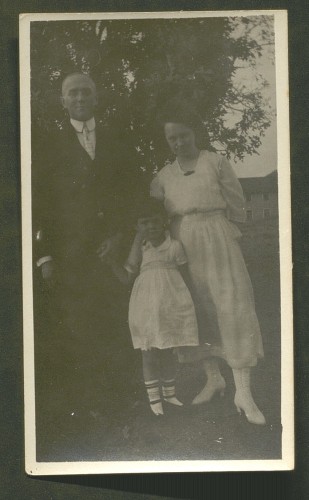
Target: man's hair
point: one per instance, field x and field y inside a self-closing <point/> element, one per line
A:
<point x="77" y="73"/>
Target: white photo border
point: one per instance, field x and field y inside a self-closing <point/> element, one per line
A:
<point x="33" y="467"/>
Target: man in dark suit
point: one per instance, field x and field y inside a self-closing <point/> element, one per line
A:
<point x="83" y="184"/>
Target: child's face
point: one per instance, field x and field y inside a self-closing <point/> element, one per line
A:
<point x="152" y="228"/>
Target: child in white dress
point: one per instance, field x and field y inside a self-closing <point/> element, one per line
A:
<point x="161" y="310"/>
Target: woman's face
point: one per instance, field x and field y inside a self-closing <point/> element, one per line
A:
<point x="181" y="139"/>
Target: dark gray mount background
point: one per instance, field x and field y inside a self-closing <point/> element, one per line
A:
<point x="14" y="484"/>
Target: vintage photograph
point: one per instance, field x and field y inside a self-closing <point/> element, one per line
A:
<point x="156" y="242"/>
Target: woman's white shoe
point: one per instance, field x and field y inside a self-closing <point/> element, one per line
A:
<point x="246" y="403"/>
<point x="215" y="382"/>
<point x="214" y="385"/>
<point x="243" y="397"/>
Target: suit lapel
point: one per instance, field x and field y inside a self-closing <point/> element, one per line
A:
<point x="105" y="163"/>
<point x="75" y="145"/>
<point x="103" y="143"/>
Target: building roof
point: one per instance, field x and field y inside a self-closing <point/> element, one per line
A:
<point x="267" y="184"/>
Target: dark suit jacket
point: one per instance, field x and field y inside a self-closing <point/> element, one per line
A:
<point x="78" y="202"/>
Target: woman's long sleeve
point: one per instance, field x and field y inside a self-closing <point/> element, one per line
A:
<point x="232" y="192"/>
<point x="156" y="189"/>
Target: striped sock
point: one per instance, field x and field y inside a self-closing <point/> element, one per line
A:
<point x="153" y="391"/>
<point x="169" y="394"/>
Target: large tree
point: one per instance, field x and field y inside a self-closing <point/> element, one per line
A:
<point x="140" y="65"/>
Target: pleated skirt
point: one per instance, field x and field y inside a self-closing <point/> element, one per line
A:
<point x="222" y="289"/>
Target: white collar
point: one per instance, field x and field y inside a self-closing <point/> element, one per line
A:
<point x="183" y="172"/>
<point x="78" y="125"/>
<point x="164" y="245"/>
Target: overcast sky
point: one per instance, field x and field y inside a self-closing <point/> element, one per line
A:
<point x="266" y="161"/>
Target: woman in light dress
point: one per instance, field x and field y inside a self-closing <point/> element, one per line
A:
<point x="203" y="198"/>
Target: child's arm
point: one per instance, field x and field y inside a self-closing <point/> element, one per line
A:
<point x="126" y="274"/>
<point x="121" y="272"/>
<point x="135" y="256"/>
<point x="182" y="264"/>
<point x="184" y="271"/>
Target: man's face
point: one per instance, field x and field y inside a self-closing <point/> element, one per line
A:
<point x="79" y="97"/>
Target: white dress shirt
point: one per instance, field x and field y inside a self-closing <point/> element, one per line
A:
<point x="78" y="126"/>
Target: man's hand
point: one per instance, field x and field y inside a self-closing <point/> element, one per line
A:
<point x="109" y="246"/>
<point x="49" y="273"/>
<point x="108" y="259"/>
<point x="141" y="231"/>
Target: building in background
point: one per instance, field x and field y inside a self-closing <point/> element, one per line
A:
<point x="261" y="195"/>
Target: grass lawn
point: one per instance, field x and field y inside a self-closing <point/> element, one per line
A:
<point x="75" y="421"/>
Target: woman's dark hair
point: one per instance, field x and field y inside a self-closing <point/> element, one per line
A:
<point x="182" y="113"/>
<point x="149" y="207"/>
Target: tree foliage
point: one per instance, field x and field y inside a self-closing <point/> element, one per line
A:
<point x="140" y="65"/>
